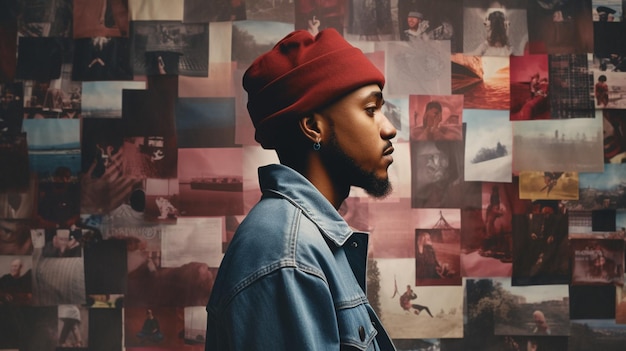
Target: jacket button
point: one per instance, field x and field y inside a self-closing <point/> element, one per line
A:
<point x="362" y="333"/>
<point x="355" y="244"/>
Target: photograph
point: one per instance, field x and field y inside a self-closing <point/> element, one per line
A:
<point x="531" y="310"/>
<point x="102" y="58"/>
<point x="416" y="312"/>
<point x="405" y="77"/>
<point x="571" y="82"/>
<point x="57" y="98"/>
<point x="60" y="280"/>
<point x="573" y="145"/>
<point x="162" y="200"/>
<point x="607" y="10"/>
<point x="606" y="31"/>
<point x="196" y="239"/>
<point x="427" y="20"/>
<point x="63" y="243"/>
<point x="498" y="29"/>
<point x="170" y="47"/>
<point x="537" y="185"/>
<point x="73" y="326"/>
<point x="597" y="261"/>
<point x="437" y="247"/>
<point x="541" y="253"/>
<point x="609" y="89"/>
<point x="153" y="327"/>
<point x="103" y="99"/>
<point x="483" y="81"/>
<point x="601" y="190"/>
<point x="437" y="177"/>
<point x="530" y="85"/>
<point x="208" y="185"/>
<point x="16" y="280"/>
<point x="195" y="325"/>
<point x="488" y="146"/>
<point x="560" y="27"/>
<point x="436" y="117"/>
<point x="487" y="242"/>
<point x="16" y="238"/>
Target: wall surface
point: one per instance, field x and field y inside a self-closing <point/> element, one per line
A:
<point x="127" y="161"/>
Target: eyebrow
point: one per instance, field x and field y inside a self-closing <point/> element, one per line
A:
<point x="376" y="94"/>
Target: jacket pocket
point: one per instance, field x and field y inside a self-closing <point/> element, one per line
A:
<point x="356" y="331"/>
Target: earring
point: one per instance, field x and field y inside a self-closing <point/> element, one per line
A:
<point x="317" y="146"/>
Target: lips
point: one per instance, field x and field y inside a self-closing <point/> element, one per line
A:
<point x="388" y="150"/>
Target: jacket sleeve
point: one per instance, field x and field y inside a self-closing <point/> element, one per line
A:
<point x="289" y="309"/>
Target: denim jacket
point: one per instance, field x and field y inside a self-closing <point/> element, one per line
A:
<point x="293" y="277"/>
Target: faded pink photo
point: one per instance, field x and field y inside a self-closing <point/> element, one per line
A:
<point x="437" y="117"/>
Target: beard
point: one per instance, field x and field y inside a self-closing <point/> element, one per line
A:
<point x="345" y="167"/>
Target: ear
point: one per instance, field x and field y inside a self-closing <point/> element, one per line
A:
<point x="312" y="127"/>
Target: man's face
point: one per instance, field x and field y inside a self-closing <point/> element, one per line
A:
<point x="16" y="268"/>
<point x="357" y="149"/>
<point x="432" y="163"/>
<point x="413" y="22"/>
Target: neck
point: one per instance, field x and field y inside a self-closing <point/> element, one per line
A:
<point x="331" y="188"/>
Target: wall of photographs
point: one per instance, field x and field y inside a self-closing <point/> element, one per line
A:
<point x="127" y="160"/>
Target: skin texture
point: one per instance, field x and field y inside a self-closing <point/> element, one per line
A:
<point x="355" y="138"/>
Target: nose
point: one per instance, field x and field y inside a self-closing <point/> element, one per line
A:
<point x="387" y="130"/>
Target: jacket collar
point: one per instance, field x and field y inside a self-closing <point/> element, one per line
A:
<point x="294" y="187"/>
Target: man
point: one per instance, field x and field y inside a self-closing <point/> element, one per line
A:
<point x="293" y="277"/>
<point x="405" y="302"/>
<point x="418" y="27"/>
<point x="541" y="326"/>
<point x="15" y="287"/>
<point x="150" y="331"/>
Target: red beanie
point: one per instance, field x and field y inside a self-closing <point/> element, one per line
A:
<point x="301" y="74"/>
